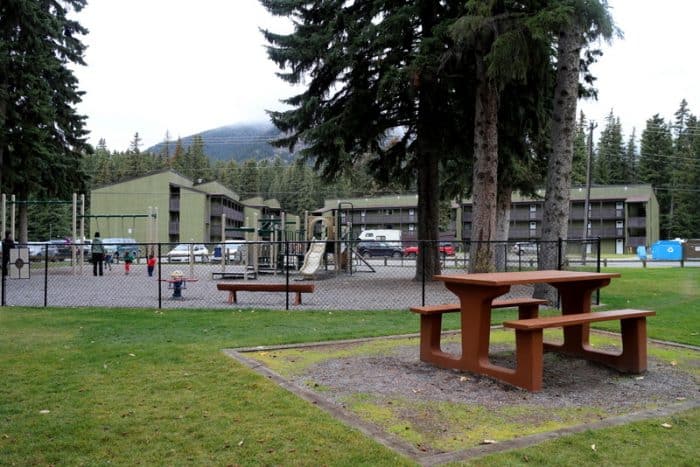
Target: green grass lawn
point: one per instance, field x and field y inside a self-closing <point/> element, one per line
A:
<point x="125" y="387"/>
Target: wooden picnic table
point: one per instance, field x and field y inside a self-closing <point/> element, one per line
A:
<point x="476" y="293"/>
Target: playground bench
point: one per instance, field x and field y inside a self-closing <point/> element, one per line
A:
<point x="233" y="287"/>
<point x="632" y="358"/>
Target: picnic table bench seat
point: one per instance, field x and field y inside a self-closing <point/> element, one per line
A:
<point x="431" y="318"/>
<point x="632" y="358"/>
<point x="233" y="287"/>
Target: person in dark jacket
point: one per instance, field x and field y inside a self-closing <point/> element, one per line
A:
<point x="7" y="245"/>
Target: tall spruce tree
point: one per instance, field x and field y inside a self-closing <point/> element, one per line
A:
<point x="580" y="158"/>
<point x="584" y="22"/>
<point x="42" y="137"/>
<point x="683" y="217"/>
<point x="374" y="86"/>
<point x="629" y="174"/>
<point x="655" y="156"/>
<point x="610" y="163"/>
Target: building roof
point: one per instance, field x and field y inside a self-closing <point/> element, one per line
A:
<point x="387" y="201"/>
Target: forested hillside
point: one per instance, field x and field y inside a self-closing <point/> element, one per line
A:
<point x="232" y="142"/>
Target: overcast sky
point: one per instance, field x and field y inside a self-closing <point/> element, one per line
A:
<point x="177" y="66"/>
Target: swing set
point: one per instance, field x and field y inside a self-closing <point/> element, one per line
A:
<point x="78" y="248"/>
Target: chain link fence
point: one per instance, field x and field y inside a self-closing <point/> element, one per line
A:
<point x="345" y="275"/>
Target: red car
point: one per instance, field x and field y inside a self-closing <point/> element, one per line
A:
<point x="445" y="248"/>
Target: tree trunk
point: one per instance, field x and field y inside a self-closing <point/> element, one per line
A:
<point x="505" y="191"/>
<point x="555" y="219"/>
<point x="485" y="173"/>
<point x="428" y="217"/>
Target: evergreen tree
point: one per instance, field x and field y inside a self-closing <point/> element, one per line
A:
<point x="655" y="155"/>
<point x="199" y="167"/>
<point x="42" y="137"/>
<point x="579" y="162"/>
<point x="630" y="163"/>
<point x="584" y="23"/>
<point x="684" y="214"/>
<point x="250" y="179"/>
<point x="372" y="68"/>
<point x="610" y="164"/>
<point x="135" y="144"/>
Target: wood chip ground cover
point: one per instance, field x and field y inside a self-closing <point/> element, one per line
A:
<point x="384" y="382"/>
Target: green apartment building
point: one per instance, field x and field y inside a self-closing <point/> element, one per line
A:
<point x="180" y="209"/>
<point x="624" y="217"/>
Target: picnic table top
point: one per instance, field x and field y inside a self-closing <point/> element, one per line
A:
<point x="524" y="277"/>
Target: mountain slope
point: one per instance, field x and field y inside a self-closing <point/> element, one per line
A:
<point x="238" y="142"/>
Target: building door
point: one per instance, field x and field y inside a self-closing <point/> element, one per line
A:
<point x="619" y="246"/>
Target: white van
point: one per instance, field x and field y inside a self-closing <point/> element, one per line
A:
<point x="235" y="251"/>
<point x="392" y="236"/>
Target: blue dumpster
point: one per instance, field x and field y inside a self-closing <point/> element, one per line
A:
<point x="669" y="250"/>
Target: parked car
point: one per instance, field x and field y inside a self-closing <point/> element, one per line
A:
<point x="120" y="245"/>
<point x="446" y="249"/>
<point x="37" y="251"/>
<point x="181" y="253"/>
<point x="370" y="249"/>
<point x="63" y="249"/>
<point x="524" y="248"/>
<point x="235" y="251"/>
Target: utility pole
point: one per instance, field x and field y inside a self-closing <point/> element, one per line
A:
<point x="586" y="205"/>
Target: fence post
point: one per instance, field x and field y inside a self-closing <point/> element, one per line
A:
<point x="286" y="267"/>
<point x="597" y="292"/>
<point x="160" y="282"/>
<point x="421" y="249"/>
<point x="46" y="275"/>
<point x="560" y="243"/>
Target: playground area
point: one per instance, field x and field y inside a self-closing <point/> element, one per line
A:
<point x="390" y="286"/>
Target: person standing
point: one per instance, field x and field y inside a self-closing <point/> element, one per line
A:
<point x="128" y="259"/>
<point x="151" y="264"/>
<point x="7" y="245"/>
<point x="98" y="253"/>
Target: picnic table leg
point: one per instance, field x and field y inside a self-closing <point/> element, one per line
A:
<point x="634" y="345"/>
<point x="575" y="298"/>
<point x="232" y="296"/>
<point x="297" y="299"/>
<point x="633" y="357"/>
<point x="529" y="358"/>
<point x="430" y="331"/>
<point x="475" y="318"/>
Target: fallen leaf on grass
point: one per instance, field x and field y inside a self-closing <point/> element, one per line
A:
<point x="593" y="446"/>
<point x="666" y="425"/>
<point x="132" y="355"/>
<point x="44" y="411"/>
<point x="240" y="443"/>
<point x="489" y="441"/>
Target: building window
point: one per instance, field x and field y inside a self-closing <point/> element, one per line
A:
<point x="533" y="225"/>
<point x="533" y="208"/>
<point x="363" y="213"/>
<point x="619" y="224"/>
<point x="388" y="212"/>
<point x="411" y="227"/>
<point x="411" y="212"/>
<point x="619" y="205"/>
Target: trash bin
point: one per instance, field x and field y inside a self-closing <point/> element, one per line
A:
<point x="691" y="249"/>
<point x="667" y="250"/>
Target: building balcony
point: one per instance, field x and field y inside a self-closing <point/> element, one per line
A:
<point x="637" y="222"/>
<point x="173" y="228"/>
